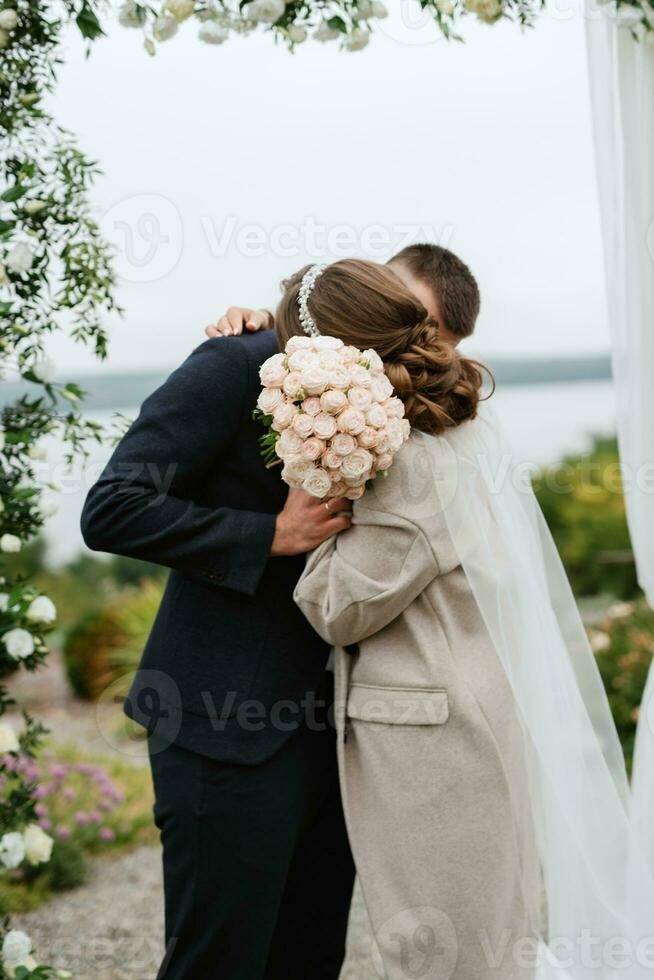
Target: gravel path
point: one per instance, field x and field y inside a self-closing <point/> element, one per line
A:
<point x="111" y="928"/>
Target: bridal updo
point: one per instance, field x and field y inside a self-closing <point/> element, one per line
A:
<point x="367" y="305"/>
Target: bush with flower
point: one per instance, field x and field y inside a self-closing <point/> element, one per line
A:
<point x="330" y="416"/>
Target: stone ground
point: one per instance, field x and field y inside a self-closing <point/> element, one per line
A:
<point x="112" y="927"/>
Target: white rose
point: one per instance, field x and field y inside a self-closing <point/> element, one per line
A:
<point x="343" y="444"/>
<point x="47" y="507"/>
<point x="269" y="399"/>
<point x="383" y="443"/>
<point x="314" y="380"/>
<point x="381" y="388"/>
<point x="19" y="644"/>
<point x="41" y="610"/>
<point x="339" y="378"/>
<point x="20" y="258"/>
<point x="8" y="19"/>
<point x="213" y="33"/>
<point x="35" y="205"/>
<point x="311" y="406"/>
<point x="357" y="39"/>
<point x="273" y="372"/>
<point x="130" y="15"/>
<point x="324" y="426"/>
<point x="394" y="408"/>
<point x="328" y="343"/>
<point x="303" y="425"/>
<point x="333" y="401"/>
<point x="339" y="488"/>
<point x="10" y="544"/>
<point x="352" y="421"/>
<point x="298" y="467"/>
<point x="329" y="359"/>
<point x="405" y="426"/>
<point x="16" y="947"/>
<point x="266" y="11"/>
<point x="326" y="33"/>
<point x="384" y="461"/>
<point x="354" y="493"/>
<point x="288" y="444"/>
<point x="376" y="417"/>
<point x="38" y="453"/>
<point x="359" y="398"/>
<point x="297" y="34"/>
<point x="332" y="460"/>
<point x="379" y="10"/>
<point x="44" y="370"/>
<point x="446" y="7"/>
<point x="367" y="437"/>
<point x="318" y="483"/>
<point x="357" y="464"/>
<point x="165" y="27"/>
<point x="313" y="448"/>
<point x="284" y="415"/>
<point x="360" y="376"/>
<point x="395" y="434"/>
<point x="293" y="384"/>
<point x="8" y="738"/>
<point x="4" y="601"/>
<point x="364" y="8"/>
<point x="302" y="360"/>
<point x="38" y="844"/>
<point x="300" y="342"/>
<point x="12" y="849"/>
<point x="180" y="9"/>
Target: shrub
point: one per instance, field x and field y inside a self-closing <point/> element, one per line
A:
<point x="107" y="642"/>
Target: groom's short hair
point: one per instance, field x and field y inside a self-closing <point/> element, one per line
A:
<point x="451" y="280"/>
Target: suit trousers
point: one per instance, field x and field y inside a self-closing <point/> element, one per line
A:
<point x="258" y="873"/>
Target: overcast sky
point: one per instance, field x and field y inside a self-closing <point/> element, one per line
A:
<point x="227" y="167"/>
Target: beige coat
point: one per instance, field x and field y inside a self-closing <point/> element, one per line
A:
<point x="430" y="748"/>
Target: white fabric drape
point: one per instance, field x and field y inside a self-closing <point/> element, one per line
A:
<point x="622" y="96"/>
<point x="598" y="889"/>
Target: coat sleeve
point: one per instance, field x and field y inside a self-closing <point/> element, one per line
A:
<point x="356" y="583"/>
<point x="142" y="505"/>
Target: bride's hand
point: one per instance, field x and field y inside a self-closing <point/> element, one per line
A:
<point x="305" y="522"/>
<point x="238" y="318"/>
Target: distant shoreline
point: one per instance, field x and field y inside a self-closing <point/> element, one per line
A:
<point x="125" y="390"/>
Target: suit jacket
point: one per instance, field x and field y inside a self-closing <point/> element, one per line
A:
<point x="431" y="750"/>
<point x="230" y="660"/>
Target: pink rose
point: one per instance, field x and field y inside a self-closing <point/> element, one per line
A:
<point x="300" y="342"/>
<point x="273" y="372"/>
<point x="350" y="355"/>
<point x="375" y="362"/>
<point x="358" y="464"/>
<point x="395" y="434"/>
<point x="360" y="376"/>
<point x="383" y="443"/>
<point x="339" y="488"/>
<point x="359" y="398"/>
<point x="296" y="470"/>
<point x="313" y="448"/>
<point x="367" y="437"/>
<point x="354" y="493"/>
<point x="332" y="460"/>
<point x="327" y="343"/>
<point x="376" y="417"/>
<point x="352" y="421"/>
<point x="269" y="399"/>
<point x="318" y="483"/>
<point x="343" y="444"/>
<point x="288" y="443"/>
<point x="384" y="461"/>
<point x="293" y="384"/>
<point x="311" y="406"/>
<point x="314" y="380"/>
<point x="333" y="401"/>
<point x="324" y="426"/>
<point x="284" y="415"/>
<point x="303" y="425"/>
<point x="339" y="378"/>
<point x="302" y="360"/>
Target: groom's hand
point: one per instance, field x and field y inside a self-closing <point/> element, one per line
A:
<point x="305" y="522"/>
<point x="237" y="319"/>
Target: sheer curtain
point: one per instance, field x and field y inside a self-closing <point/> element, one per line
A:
<point x="622" y="95"/>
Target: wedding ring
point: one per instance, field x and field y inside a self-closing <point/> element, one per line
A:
<point x="327" y="507"/>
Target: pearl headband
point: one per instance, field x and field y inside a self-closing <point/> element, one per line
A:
<point x="307" y="284"/>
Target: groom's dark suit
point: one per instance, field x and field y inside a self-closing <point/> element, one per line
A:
<point x="257" y="868"/>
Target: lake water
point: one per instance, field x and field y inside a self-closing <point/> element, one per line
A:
<point x="545" y="422"/>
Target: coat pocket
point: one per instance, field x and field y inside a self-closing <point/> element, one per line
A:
<point x="398" y="705"/>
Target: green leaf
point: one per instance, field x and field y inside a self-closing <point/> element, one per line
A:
<point x="13" y="193"/>
<point x="88" y="24"/>
<point x="337" y="24"/>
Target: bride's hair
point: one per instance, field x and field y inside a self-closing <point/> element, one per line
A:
<point x="367" y="306"/>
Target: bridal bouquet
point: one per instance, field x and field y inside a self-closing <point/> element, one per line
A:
<point x="330" y="416"/>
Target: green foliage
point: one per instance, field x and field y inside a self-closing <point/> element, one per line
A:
<point x="583" y="503"/>
<point x="107" y="642"/>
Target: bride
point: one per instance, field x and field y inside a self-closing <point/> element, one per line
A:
<point x="483" y="781"/>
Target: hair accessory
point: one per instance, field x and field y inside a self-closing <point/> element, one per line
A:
<point x="307" y="284"/>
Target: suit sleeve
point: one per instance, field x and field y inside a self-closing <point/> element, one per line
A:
<point x="142" y="505"/>
<point x="357" y="583"/>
